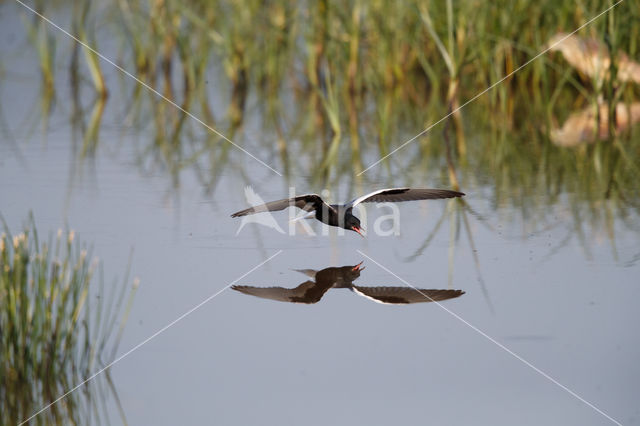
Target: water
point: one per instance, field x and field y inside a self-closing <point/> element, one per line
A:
<point x="563" y="300"/>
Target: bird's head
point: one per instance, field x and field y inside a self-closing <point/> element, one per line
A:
<point x="353" y="224"/>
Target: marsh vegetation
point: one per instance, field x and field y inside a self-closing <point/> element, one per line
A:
<point x="59" y="323"/>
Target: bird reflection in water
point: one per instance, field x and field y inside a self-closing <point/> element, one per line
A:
<point x="592" y="124"/>
<point x="311" y="291"/>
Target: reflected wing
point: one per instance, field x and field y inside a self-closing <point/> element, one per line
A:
<point x="404" y="194"/>
<point x="307" y="292"/>
<point x="306" y="202"/>
<point x="405" y="295"/>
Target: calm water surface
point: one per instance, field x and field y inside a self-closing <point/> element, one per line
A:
<point x="568" y="305"/>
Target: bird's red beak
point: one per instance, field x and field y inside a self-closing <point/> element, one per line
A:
<point x="358" y="230"/>
<point x="357" y="267"/>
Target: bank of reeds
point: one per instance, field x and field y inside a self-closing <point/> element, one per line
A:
<point x="58" y="325"/>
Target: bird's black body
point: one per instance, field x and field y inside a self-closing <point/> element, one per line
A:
<point x="341" y="215"/>
<point x="337" y="215"/>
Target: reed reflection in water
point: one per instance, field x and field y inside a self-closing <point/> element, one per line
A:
<point x="319" y="109"/>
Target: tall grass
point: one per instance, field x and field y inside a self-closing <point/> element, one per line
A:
<point x="58" y="324"/>
<point x="383" y="71"/>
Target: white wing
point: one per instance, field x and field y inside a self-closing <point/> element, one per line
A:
<point x="404" y="295"/>
<point x="404" y="194"/>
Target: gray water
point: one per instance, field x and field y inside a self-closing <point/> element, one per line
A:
<point x="566" y="305"/>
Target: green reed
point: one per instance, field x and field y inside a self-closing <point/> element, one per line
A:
<point x="57" y="326"/>
<point x="45" y="44"/>
<point x="82" y="27"/>
<point x="424" y="53"/>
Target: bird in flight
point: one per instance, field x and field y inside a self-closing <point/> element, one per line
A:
<point x="311" y="291"/>
<point x="341" y="215"/>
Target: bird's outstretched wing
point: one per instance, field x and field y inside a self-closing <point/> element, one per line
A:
<point x="306" y="202"/>
<point x="404" y="194"/>
<point x="405" y="295"/>
<point x="307" y="292"/>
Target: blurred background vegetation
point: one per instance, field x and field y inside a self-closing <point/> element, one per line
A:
<point x="321" y="89"/>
